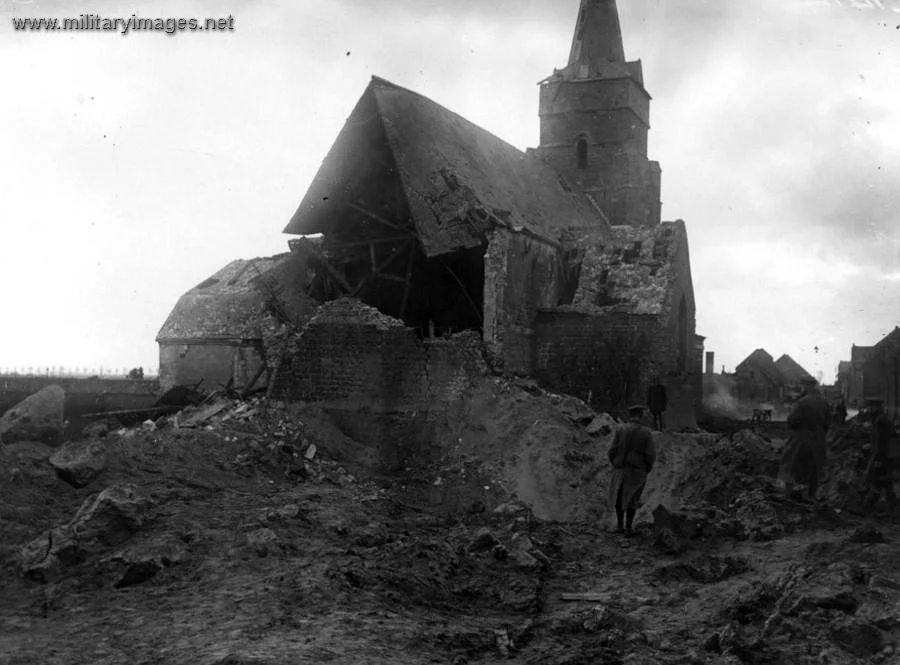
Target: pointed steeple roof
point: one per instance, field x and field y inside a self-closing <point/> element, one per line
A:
<point x="597" y="42"/>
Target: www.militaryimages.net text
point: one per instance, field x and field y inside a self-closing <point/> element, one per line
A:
<point x="121" y="25"/>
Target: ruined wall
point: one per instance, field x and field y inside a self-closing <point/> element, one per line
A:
<point x="606" y="360"/>
<point x="213" y="363"/>
<point x="522" y="275"/>
<point x="381" y="384"/>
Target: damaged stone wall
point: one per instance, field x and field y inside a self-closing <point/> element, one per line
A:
<point x="215" y="364"/>
<point x="633" y="271"/>
<point x="377" y="379"/>
<point x="522" y="275"/>
<point x="624" y="326"/>
<point x="608" y="361"/>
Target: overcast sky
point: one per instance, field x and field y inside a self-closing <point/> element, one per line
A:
<point x="135" y="166"/>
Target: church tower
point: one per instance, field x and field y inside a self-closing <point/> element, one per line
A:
<point x="595" y="115"/>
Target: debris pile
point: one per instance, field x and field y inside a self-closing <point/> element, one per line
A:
<point x="350" y="311"/>
<point x="239" y="530"/>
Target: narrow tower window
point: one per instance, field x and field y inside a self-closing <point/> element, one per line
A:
<point x="581" y="150"/>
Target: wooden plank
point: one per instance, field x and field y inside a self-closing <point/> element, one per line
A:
<point x="590" y="596"/>
<point x="362" y="243"/>
<point x="393" y="278"/>
<point x="408" y="280"/>
<point x="474" y="305"/>
<point x="246" y="391"/>
<point x="150" y="411"/>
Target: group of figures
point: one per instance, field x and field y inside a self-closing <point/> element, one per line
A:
<point x="633" y="453"/>
<point x="803" y="460"/>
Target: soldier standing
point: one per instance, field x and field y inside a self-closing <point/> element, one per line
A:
<point x="657" y="402"/>
<point x="805" y="453"/>
<point x="632" y="455"/>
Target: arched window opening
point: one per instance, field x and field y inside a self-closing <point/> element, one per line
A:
<point x="581" y="149"/>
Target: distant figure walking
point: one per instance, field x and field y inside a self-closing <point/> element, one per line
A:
<point x="657" y="403"/>
<point x="884" y="463"/>
<point x="632" y="455"/>
<point x="804" y="455"/>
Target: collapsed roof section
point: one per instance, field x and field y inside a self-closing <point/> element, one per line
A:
<point x="403" y="158"/>
<point x="635" y="270"/>
<point x="239" y="302"/>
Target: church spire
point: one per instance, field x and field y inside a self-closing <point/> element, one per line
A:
<point x="595" y="115"/>
<point x="598" y="38"/>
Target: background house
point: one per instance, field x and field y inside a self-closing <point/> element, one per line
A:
<point x="843" y="379"/>
<point x="881" y="372"/>
<point x="758" y="378"/>
<point x="859" y="355"/>
<point x="792" y="372"/>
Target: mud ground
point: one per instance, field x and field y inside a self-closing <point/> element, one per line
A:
<point x="253" y="553"/>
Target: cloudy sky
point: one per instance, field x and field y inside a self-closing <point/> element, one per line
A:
<point x="134" y="166"/>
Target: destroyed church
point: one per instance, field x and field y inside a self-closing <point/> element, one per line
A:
<point x="429" y="248"/>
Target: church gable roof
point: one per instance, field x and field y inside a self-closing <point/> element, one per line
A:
<point x="458" y="179"/>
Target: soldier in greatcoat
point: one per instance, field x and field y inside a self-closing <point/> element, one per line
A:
<point x="804" y="456"/>
<point x="632" y="455"/>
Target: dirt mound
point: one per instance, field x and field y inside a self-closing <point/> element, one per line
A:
<point x="262" y="539"/>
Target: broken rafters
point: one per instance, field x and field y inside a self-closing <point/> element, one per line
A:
<point x="409" y="268"/>
<point x="361" y="243"/>
<point x="384" y="264"/>
<point x="316" y="255"/>
<point x="378" y="218"/>
<point x="393" y="278"/>
<point x="465" y="291"/>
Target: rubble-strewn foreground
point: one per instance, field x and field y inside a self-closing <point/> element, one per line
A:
<point x="233" y="533"/>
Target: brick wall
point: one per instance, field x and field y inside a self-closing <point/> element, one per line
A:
<point x="213" y="363"/>
<point x="381" y="384"/>
<point x="522" y="275"/>
<point x="607" y="360"/>
<point x="384" y="371"/>
<point x="610" y="361"/>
